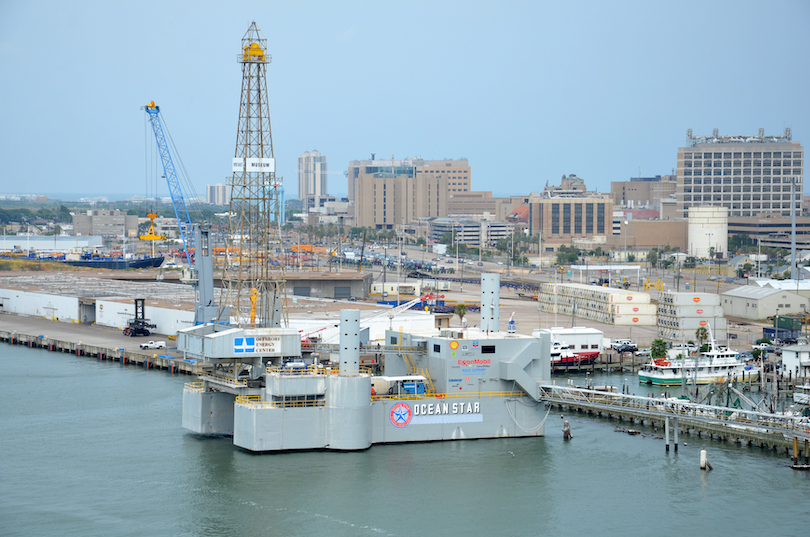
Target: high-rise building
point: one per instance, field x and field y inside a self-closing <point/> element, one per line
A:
<point x="388" y="193"/>
<point x="749" y="175"/>
<point x="312" y="175"/>
<point x="217" y="194"/>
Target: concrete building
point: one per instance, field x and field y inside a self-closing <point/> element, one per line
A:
<point x="772" y="231"/>
<point x="484" y="233"/>
<point x="759" y="303"/>
<point x="641" y="235"/>
<point x="217" y="194"/>
<point x="560" y="220"/>
<point x="643" y="192"/>
<point x="749" y="175"/>
<point x="312" y="175"/>
<point x="106" y="223"/>
<point x="481" y="204"/>
<point x="389" y="193"/>
<point x="708" y="232"/>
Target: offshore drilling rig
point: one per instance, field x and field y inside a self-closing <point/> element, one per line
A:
<point x="253" y="279"/>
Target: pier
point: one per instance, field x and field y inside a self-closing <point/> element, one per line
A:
<point x="774" y="431"/>
<point x="93" y="341"/>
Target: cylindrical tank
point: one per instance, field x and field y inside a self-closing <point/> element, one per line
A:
<point x="708" y="228"/>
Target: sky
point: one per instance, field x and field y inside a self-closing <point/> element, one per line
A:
<point x="526" y="91"/>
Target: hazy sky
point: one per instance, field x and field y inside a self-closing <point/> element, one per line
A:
<point x="527" y="91"/>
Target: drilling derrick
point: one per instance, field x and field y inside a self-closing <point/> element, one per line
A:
<point x="253" y="278"/>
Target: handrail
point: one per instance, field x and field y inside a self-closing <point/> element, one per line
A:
<point x="255" y="401"/>
<point x="310" y="371"/>
<point x="194" y="387"/>
<point x="228" y="381"/>
<point x="453" y="395"/>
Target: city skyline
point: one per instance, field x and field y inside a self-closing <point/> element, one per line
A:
<point x="606" y="92"/>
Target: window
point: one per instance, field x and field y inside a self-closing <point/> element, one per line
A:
<point x="487" y="349"/>
<point x="437" y="348"/>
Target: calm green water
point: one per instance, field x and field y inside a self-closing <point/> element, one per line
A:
<point x="92" y="448"/>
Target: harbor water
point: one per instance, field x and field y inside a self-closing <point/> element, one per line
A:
<point x="96" y="448"/>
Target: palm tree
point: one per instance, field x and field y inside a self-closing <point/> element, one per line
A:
<point x="658" y="349"/>
<point x="701" y="334"/>
<point x="461" y="311"/>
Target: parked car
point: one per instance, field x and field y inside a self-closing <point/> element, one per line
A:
<point x="616" y="343"/>
<point x="630" y="347"/>
<point x="500" y="262"/>
<point x="643" y="352"/>
<point x="480" y="264"/>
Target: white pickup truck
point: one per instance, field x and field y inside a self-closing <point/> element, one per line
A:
<point x="154" y="345"/>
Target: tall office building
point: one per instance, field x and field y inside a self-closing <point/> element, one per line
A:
<point x="217" y="194"/>
<point x="749" y="175"/>
<point x="387" y="193"/>
<point x="312" y="175"/>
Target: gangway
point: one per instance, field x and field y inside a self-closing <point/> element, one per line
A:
<point x="752" y="425"/>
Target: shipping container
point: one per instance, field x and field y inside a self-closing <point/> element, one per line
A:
<point x="690" y="311"/>
<point x="693" y="323"/>
<point x="788" y="323"/>
<point x="634" y="309"/>
<point x="780" y="334"/>
<point x="690" y="299"/>
<point x="634" y="320"/>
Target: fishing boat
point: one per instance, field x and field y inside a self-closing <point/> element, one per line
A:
<point x="718" y="364"/>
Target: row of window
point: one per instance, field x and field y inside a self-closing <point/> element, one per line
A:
<point x="743" y="197"/>
<point x="737" y="188"/>
<point x="745" y="154"/>
<point x="577" y="220"/>
<point x="755" y="205"/>
<point x="740" y="163"/>
<point x="744" y="171"/>
<point x="739" y="181"/>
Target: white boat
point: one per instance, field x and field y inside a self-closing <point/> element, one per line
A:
<point x="718" y="364"/>
<point x="801" y="394"/>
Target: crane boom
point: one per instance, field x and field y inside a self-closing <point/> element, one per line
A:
<point x="200" y="265"/>
<point x="176" y="192"/>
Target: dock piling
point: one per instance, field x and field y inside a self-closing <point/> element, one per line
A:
<point x="666" y="433"/>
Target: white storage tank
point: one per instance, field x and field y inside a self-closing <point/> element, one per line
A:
<point x="707" y="229"/>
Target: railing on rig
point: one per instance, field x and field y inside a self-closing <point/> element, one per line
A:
<point x="194" y="387"/>
<point x="255" y="401"/>
<point x="454" y="395"/>
<point x="310" y="370"/>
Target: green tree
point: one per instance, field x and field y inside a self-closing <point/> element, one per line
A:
<point x="658" y="349"/>
<point x="701" y="334"/>
<point x="461" y="311"/>
<point x="420" y="241"/>
<point x="652" y="257"/>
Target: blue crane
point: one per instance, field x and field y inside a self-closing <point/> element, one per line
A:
<point x="201" y="271"/>
<point x="176" y="192"/>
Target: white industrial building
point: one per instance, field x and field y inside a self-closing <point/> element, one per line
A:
<point x="758" y="303"/>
